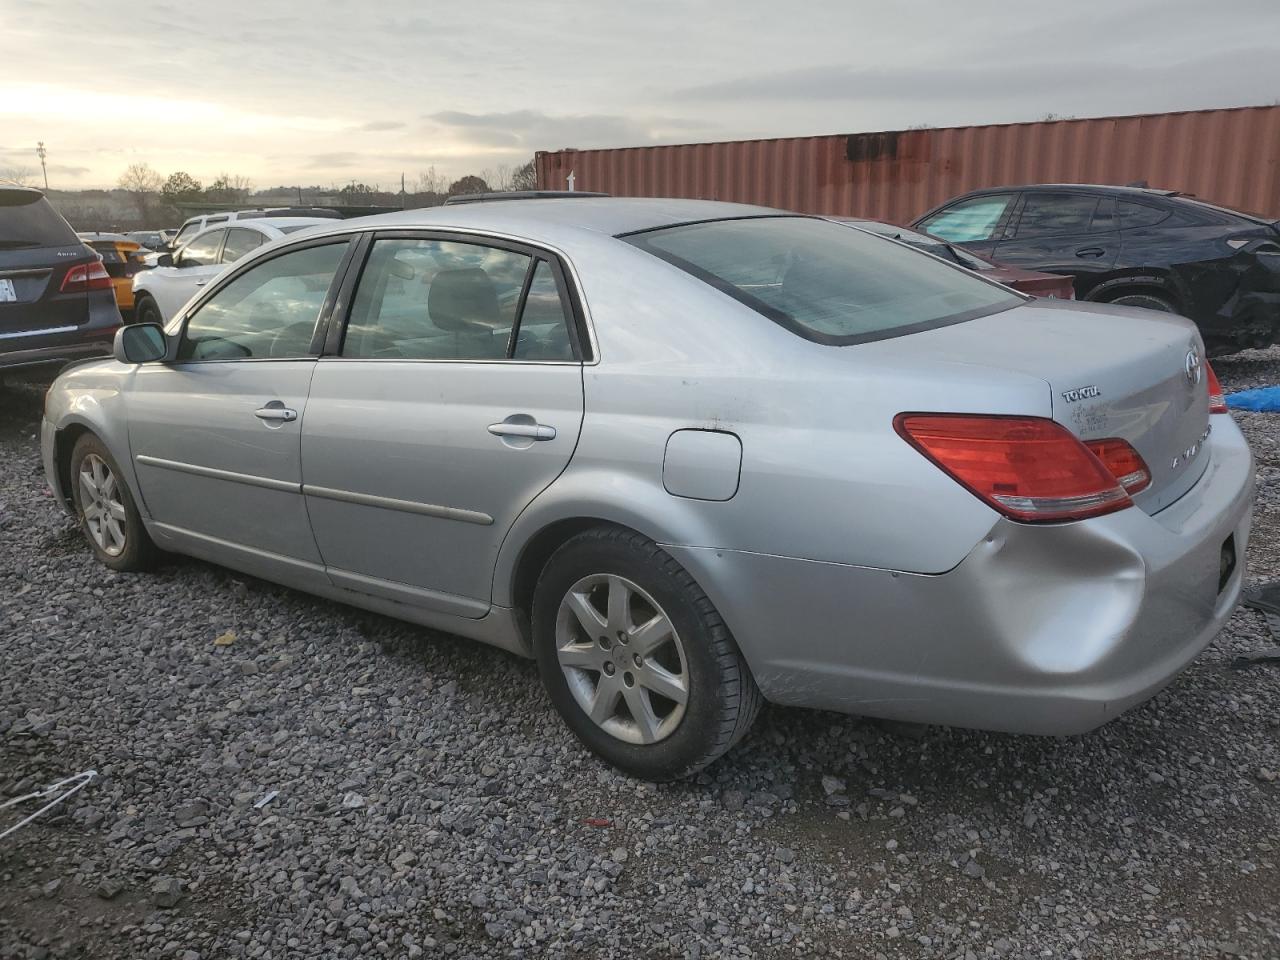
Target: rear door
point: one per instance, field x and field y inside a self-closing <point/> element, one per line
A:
<point x="1062" y="232"/>
<point x="454" y="399"/>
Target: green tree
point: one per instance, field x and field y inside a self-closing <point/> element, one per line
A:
<point x="468" y="184"/>
<point x="180" y="186"/>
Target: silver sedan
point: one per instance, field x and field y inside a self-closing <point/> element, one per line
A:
<point x="691" y="457"/>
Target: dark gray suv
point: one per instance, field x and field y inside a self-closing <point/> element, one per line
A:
<point x="56" y="300"/>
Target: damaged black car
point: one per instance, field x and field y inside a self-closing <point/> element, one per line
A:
<point x="1135" y="246"/>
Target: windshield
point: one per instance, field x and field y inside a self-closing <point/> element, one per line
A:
<point x="27" y="220"/>
<point x="824" y="281"/>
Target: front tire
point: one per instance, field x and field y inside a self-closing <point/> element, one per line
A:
<point x="636" y="659"/>
<point x="108" y="514"/>
<point x="145" y="310"/>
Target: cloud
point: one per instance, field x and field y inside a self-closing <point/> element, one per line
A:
<point x="535" y="130"/>
<point x="378" y="126"/>
<point x="1216" y="76"/>
<point x="345" y="158"/>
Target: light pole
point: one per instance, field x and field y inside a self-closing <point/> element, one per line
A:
<point x="41" y="153"/>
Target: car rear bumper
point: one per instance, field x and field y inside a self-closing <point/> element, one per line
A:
<point x="27" y="347"/>
<point x="1051" y="629"/>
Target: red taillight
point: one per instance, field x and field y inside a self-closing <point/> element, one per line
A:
<point x="86" y="276"/>
<point x="1217" y="402"/>
<point x="1027" y="468"/>
<point x="1122" y="462"/>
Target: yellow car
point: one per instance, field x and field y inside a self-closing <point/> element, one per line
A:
<point x="122" y="258"/>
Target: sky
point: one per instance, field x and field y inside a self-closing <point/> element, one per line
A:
<point x="326" y="92"/>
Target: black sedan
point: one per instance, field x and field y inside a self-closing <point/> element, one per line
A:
<point x="1133" y="245"/>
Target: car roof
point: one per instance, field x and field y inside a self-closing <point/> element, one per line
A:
<point x="11" y="187"/>
<point x="1092" y="187"/>
<point x="543" y="218"/>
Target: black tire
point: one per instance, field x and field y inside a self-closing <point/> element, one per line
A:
<point x="146" y="311"/>
<point x="137" y="552"/>
<point x="1148" y="301"/>
<point x="723" y="699"/>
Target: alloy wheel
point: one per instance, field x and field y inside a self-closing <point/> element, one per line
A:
<point x="104" y="513"/>
<point x="622" y="658"/>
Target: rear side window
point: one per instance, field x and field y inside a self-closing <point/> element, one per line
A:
<point x="239" y="242"/>
<point x="1134" y="215"/>
<point x="969" y="220"/>
<point x="28" y="220"/>
<point x="824" y="281"/>
<point x="421" y="299"/>
<point x="1058" y="214"/>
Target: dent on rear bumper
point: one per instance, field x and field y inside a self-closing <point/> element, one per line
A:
<point x="1041" y="629"/>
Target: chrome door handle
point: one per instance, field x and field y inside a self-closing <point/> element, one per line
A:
<point x="201" y="283"/>
<point x="530" y="431"/>
<point x="276" y="413"/>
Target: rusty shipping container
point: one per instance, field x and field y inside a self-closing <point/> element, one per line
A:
<point x="1229" y="156"/>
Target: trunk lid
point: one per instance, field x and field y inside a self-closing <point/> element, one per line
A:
<point x="1111" y="372"/>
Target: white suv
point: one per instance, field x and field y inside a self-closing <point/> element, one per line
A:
<point x="160" y="292"/>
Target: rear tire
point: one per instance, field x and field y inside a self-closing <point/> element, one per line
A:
<point x="1148" y="301"/>
<point x="108" y="514"/>
<point x="146" y="311"/>
<point x="654" y="639"/>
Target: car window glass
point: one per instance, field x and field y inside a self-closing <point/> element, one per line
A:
<point x="239" y="242"/>
<point x="186" y="233"/>
<point x="1133" y="215"/>
<point x="1054" y="214"/>
<point x="269" y="311"/>
<point x="822" y="280"/>
<point x="202" y="251"/>
<point x="435" y="300"/>
<point x="968" y="220"/>
<point x="544" y="331"/>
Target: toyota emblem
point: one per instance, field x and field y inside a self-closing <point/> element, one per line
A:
<point x="1193" y="367"/>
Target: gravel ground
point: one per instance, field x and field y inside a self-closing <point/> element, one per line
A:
<point x="430" y="803"/>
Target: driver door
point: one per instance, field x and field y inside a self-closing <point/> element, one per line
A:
<point x="193" y="266"/>
<point x="215" y="431"/>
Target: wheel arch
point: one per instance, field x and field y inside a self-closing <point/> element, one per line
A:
<point x="1150" y="282"/>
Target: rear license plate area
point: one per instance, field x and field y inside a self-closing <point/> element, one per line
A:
<point x="1226" y="562"/>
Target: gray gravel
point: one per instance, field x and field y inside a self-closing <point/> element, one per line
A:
<point x="430" y="803"/>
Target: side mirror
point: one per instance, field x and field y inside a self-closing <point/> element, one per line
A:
<point x="164" y="260"/>
<point x="140" y="343"/>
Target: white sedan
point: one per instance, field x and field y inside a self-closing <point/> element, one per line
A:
<point x="159" y="293"/>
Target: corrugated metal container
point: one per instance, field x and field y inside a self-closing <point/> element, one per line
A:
<point x="1230" y="157"/>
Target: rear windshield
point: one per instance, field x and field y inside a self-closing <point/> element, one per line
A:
<point x="27" y="220"/>
<point x="824" y="281"/>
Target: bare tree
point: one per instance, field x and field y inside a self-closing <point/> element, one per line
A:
<point x="430" y="182"/>
<point x="525" y="177"/>
<point x="22" y="176"/>
<point x="143" y="183"/>
<point x="229" y="188"/>
<point x="468" y="184"/>
<point x="499" y="178"/>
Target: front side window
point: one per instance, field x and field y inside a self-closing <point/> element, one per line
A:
<point x="421" y="299"/>
<point x="239" y="242"/>
<point x="824" y="281"/>
<point x="267" y="312"/>
<point x="202" y="251"/>
<point x="969" y="220"/>
<point x="1058" y="214"/>
<point x="188" y="231"/>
